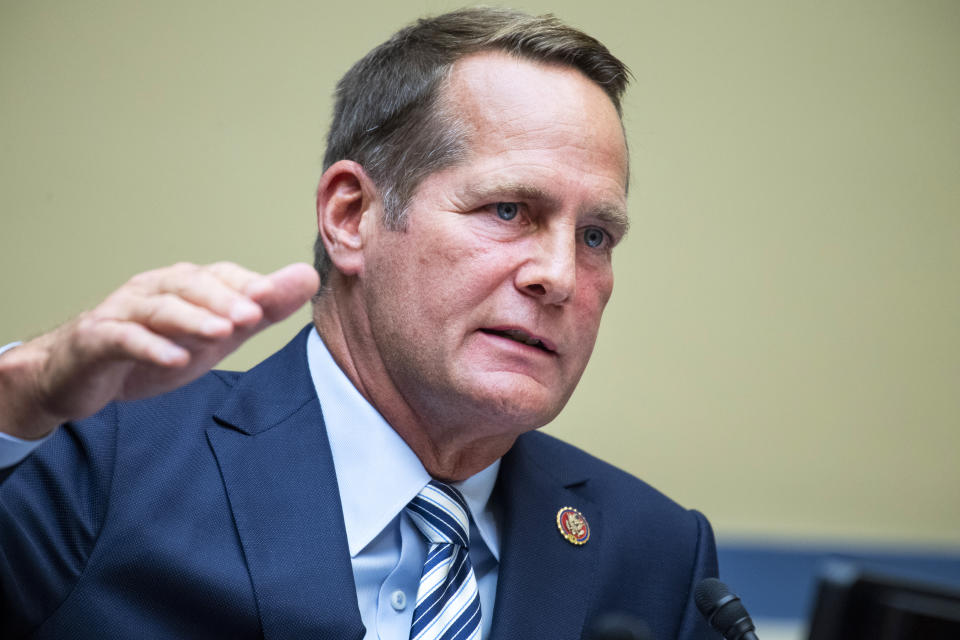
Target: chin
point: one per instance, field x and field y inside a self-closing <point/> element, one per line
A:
<point x="522" y="409"/>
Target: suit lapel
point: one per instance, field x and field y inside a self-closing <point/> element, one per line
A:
<point x="545" y="583"/>
<point x="275" y="460"/>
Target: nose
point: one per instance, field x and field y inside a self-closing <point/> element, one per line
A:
<point x="549" y="273"/>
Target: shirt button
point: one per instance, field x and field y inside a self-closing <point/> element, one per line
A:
<point x="398" y="600"/>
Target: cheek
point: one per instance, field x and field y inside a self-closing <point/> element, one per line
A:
<point x="460" y="272"/>
<point x="596" y="286"/>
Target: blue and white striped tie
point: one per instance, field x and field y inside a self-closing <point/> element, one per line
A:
<point x="448" y="601"/>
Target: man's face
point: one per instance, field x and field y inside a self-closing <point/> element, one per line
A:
<point x="484" y="311"/>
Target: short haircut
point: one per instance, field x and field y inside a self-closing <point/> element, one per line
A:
<point x="390" y="115"/>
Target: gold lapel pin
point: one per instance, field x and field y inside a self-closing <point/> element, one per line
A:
<point x="573" y="526"/>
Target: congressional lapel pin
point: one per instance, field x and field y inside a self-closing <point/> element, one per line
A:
<point x="573" y="526"/>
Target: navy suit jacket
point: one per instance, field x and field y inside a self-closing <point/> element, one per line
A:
<point x="213" y="512"/>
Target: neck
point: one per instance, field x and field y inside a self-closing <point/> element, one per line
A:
<point x="451" y="447"/>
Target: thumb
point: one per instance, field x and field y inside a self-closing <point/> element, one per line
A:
<point x="285" y="290"/>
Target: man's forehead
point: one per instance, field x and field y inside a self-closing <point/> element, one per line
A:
<point x="503" y="102"/>
<point x="504" y="81"/>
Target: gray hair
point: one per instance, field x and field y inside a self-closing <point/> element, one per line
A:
<point x="391" y="116"/>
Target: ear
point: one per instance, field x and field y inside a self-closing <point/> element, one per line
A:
<point x="346" y="197"/>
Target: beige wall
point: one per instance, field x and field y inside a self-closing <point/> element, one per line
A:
<point x="783" y="348"/>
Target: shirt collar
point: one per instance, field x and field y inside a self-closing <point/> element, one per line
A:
<point x="377" y="473"/>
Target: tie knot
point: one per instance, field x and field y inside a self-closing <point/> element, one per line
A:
<point x="441" y="514"/>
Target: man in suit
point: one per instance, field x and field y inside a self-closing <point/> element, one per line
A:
<point x="474" y="188"/>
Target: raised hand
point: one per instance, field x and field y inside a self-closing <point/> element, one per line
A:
<point x="160" y="330"/>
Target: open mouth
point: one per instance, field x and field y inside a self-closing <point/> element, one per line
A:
<point x="520" y="336"/>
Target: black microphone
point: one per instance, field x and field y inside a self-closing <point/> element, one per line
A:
<point x="619" y="626"/>
<point x="723" y="610"/>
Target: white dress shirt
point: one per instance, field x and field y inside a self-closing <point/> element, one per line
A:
<point x="377" y="475"/>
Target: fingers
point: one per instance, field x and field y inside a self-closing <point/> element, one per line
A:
<point x="171" y="315"/>
<point x="119" y="340"/>
<point x="190" y="305"/>
<point x="243" y="280"/>
<point x="289" y="288"/>
<point x="251" y="297"/>
<point x="218" y="289"/>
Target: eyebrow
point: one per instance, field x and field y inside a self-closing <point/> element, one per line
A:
<point x="614" y="216"/>
<point x="511" y="189"/>
<point x="609" y="213"/>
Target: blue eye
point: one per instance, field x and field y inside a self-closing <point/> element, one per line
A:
<point x="507" y="210"/>
<point x="593" y="237"/>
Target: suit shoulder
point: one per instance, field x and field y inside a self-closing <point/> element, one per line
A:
<point x="209" y="389"/>
<point x="601" y="481"/>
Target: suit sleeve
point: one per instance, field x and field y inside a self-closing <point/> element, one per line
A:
<point x="693" y="626"/>
<point x="52" y="506"/>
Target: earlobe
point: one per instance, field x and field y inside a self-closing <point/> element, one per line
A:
<point x="345" y="195"/>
